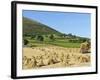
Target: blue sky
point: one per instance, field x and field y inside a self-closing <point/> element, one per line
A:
<point x="65" y="22"/>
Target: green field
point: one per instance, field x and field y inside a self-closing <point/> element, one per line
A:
<point x="56" y="42"/>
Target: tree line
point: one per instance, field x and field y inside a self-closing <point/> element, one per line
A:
<point x="39" y="38"/>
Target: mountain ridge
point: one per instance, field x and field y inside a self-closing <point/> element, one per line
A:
<point x="34" y="27"/>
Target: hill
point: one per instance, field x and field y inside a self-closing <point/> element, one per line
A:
<point x="35" y="27"/>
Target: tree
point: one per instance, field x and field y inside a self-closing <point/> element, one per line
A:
<point x="70" y="35"/>
<point x="33" y="36"/>
<point x="51" y="37"/>
<point x="40" y="38"/>
<point x="26" y="41"/>
<point x="64" y="35"/>
<point x="82" y="40"/>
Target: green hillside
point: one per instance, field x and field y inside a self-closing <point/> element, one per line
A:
<point x="35" y="27"/>
<point x="38" y="34"/>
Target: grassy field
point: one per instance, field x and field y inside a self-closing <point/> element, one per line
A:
<point x="56" y="42"/>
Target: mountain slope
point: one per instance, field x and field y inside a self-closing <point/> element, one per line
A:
<point x="35" y="27"/>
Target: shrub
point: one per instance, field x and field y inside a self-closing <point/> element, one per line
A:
<point x="33" y="36"/>
<point x="51" y="37"/>
<point x="40" y="38"/>
<point x="26" y="41"/>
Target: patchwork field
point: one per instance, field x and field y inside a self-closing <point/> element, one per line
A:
<point x="53" y="57"/>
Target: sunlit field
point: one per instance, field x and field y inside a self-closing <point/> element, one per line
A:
<point x="56" y="40"/>
<point x="54" y="56"/>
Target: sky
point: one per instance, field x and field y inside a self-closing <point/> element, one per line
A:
<point x="65" y="22"/>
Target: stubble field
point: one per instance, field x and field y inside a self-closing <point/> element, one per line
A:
<point x="54" y="57"/>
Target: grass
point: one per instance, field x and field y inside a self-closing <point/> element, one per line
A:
<point x="57" y="42"/>
<point x="67" y="44"/>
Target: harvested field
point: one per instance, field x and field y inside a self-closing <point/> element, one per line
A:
<point x="53" y="57"/>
